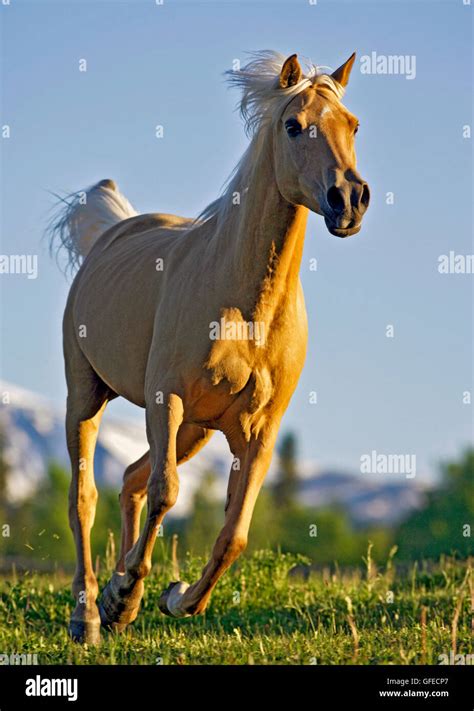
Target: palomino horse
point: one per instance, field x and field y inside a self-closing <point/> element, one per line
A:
<point x="143" y="310"/>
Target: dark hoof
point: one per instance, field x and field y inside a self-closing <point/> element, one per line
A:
<point x="84" y="632"/>
<point x="116" y="614"/>
<point x="163" y="600"/>
<point x="108" y="623"/>
<point x="171" y="600"/>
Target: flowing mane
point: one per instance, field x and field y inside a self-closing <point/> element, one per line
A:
<point x="262" y="103"/>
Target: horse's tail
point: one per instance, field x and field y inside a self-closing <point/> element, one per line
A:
<point x="83" y="216"/>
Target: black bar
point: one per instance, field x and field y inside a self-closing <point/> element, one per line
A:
<point x="130" y="687"/>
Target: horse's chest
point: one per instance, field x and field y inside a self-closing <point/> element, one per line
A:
<point x="255" y="372"/>
<point x="249" y="366"/>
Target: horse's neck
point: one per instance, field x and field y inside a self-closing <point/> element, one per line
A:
<point x="263" y="246"/>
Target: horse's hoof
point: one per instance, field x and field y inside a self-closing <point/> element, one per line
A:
<point x="115" y="613"/>
<point x="109" y="623"/>
<point x="170" y="600"/>
<point x="163" y="600"/>
<point x="84" y="632"/>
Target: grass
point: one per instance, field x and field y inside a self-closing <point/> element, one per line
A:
<point x="261" y="615"/>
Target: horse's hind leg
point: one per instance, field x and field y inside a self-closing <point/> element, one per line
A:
<point x="132" y="499"/>
<point x="87" y="398"/>
<point x="191" y="438"/>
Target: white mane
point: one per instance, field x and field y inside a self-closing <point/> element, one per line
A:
<point x="263" y="101"/>
<point x="262" y="97"/>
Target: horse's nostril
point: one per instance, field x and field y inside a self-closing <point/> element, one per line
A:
<point x="335" y="199"/>
<point x="365" y="197"/>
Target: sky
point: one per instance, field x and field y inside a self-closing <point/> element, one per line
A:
<point x="152" y="64"/>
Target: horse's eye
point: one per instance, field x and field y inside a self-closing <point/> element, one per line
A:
<point x="293" y="128"/>
<point x="356" y="129"/>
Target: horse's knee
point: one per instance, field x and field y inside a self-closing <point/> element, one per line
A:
<point x="162" y="496"/>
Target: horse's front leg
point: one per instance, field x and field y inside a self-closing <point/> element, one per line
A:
<point x="121" y="597"/>
<point x="191" y="438"/>
<point x="181" y="600"/>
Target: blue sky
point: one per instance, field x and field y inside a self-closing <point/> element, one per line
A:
<point x="151" y="64"/>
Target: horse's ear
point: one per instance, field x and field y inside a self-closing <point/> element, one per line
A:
<point x="342" y="74"/>
<point x="291" y="72"/>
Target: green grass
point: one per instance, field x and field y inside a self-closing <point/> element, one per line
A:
<point x="259" y="615"/>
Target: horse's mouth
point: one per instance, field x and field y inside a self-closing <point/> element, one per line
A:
<point x="339" y="231"/>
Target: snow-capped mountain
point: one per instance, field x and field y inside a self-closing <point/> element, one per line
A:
<point x="33" y="433"/>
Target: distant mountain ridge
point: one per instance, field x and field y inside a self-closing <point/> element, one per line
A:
<point x="34" y="436"/>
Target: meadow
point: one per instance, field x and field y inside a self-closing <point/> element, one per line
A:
<point x="270" y="608"/>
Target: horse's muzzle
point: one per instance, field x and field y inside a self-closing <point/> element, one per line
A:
<point x="341" y="231"/>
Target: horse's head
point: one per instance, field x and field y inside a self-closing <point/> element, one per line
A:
<point x="315" y="161"/>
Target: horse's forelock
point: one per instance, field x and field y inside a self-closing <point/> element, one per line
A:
<point x="262" y="97"/>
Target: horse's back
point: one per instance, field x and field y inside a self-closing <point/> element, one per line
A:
<point x="159" y="222"/>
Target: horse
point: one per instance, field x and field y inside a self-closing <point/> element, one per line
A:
<point x="141" y="315"/>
